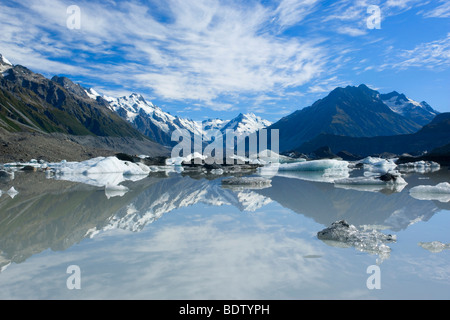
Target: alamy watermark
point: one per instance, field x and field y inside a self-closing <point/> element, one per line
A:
<point x="74" y="280"/>
<point x="374" y="20"/>
<point x="374" y="280"/>
<point x="73" y="21"/>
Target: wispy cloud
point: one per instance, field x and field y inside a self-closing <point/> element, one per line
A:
<point x="219" y="54"/>
<point x="441" y="11"/>
<point x="431" y="55"/>
<point x="203" y="49"/>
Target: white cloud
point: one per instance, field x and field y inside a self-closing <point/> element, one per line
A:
<point x="431" y="55"/>
<point x="354" y="32"/>
<point x="441" y="11"/>
<point x="204" y="50"/>
<point x="291" y="12"/>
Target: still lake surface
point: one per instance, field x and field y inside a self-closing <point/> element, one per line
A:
<point x="178" y="236"/>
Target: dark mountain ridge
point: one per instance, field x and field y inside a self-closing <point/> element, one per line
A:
<point x="350" y="111"/>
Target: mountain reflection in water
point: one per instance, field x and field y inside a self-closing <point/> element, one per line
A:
<point x="55" y="214"/>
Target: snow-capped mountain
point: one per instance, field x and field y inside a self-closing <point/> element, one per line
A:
<point x="5" y="65"/>
<point x="159" y="125"/>
<point x="420" y="112"/>
<point x="150" y="119"/>
<point x="245" y="124"/>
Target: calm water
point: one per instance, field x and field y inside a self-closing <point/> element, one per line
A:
<point x="183" y="237"/>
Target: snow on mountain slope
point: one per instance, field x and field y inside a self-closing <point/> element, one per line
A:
<point x="420" y="112"/>
<point x="159" y="125"/>
<point x="5" y="65"/>
<point x="92" y="94"/>
<point x="246" y="123"/>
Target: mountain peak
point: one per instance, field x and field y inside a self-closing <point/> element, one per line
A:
<point x="5" y="65"/>
<point x="4" y="61"/>
<point x="420" y="112"/>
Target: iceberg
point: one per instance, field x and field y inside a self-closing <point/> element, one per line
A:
<point x="328" y="176"/>
<point x="315" y="165"/>
<point x="392" y="180"/>
<point x="269" y="156"/>
<point x="178" y="161"/>
<point x="440" y="192"/>
<point x="380" y="165"/>
<point x="345" y="235"/>
<point x="419" y="166"/>
<point x="316" y="170"/>
<point x="100" y="165"/>
<point x="101" y="171"/>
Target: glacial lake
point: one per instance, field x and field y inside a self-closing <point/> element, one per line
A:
<point x="178" y="236"/>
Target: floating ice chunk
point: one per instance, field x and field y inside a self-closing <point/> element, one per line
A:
<point x="419" y="166"/>
<point x="315" y="176"/>
<point x="391" y="180"/>
<point x="380" y="165"/>
<point x="247" y="183"/>
<point x="269" y="156"/>
<point x="100" y="171"/>
<point x="440" y="192"/>
<point x="315" y="165"/>
<point x="217" y="171"/>
<point x="342" y="234"/>
<point x="378" y="162"/>
<point x="434" y="246"/>
<point x="178" y="161"/>
<point x="100" y="165"/>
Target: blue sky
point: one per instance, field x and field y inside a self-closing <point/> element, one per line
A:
<point x="210" y="58"/>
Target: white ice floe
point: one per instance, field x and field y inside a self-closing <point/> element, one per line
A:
<point x="440" y="192"/>
<point x="101" y="171"/>
<point x="419" y="166"/>
<point x="315" y="165"/>
<point x="178" y="161"/>
<point x="316" y="170"/>
<point x="100" y="165"/>
<point x="217" y="172"/>
<point x="327" y="176"/>
<point x="246" y="183"/>
<point x="269" y="156"/>
<point x="391" y="180"/>
<point x="342" y="234"/>
<point x="434" y="246"/>
<point x="379" y="165"/>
